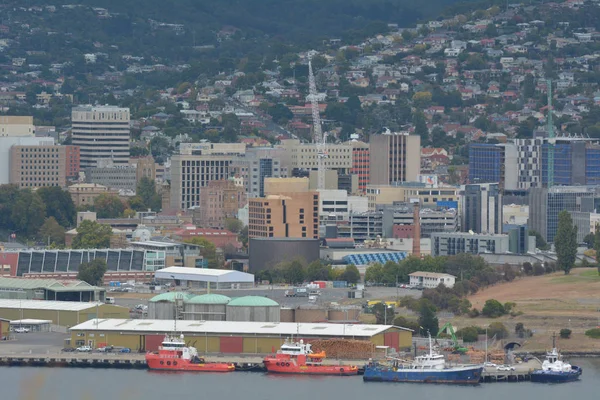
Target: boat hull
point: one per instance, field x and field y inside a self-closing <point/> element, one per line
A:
<point x="291" y="367"/>
<point x="470" y="375"/>
<point x="541" y="376"/>
<point x="174" y="364"/>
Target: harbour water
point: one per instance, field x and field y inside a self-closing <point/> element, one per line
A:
<point x="31" y="383"/>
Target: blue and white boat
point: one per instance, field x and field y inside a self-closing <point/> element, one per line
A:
<point x="554" y="370"/>
<point x="428" y="368"/>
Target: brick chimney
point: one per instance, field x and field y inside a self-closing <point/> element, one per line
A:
<point x="416" y="247"/>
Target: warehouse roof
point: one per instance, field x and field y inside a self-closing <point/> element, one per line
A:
<point x="234" y="327"/>
<point x="253" y="301"/>
<point x="203" y="275"/>
<point x="46" y="305"/>
<point x="50" y="284"/>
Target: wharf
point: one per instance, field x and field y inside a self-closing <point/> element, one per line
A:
<point x="522" y="372"/>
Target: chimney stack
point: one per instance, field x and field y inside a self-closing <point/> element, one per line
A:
<point x="416" y="247"/>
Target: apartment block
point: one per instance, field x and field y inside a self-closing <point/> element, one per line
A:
<point x="394" y="157"/>
<point x="38" y="166"/>
<point x="481" y="208"/>
<point x="219" y="200"/>
<point x="101" y="132"/>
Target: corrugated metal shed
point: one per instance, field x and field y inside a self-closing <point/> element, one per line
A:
<point x="47" y="305"/>
<point x="234" y="327"/>
<point x="52" y="284"/>
<point x="204" y="275"/>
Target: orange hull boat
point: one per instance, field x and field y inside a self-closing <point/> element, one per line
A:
<point x="298" y="358"/>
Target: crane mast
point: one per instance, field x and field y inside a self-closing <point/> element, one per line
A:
<point x="551" y="137"/>
<point x="318" y="137"/>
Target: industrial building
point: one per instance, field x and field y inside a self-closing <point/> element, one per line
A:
<point x="4" y="328"/>
<point x="266" y="253"/>
<point x="213" y="307"/>
<point x="33" y="325"/>
<point x="200" y="278"/>
<point x="63" y="313"/>
<point x="49" y="289"/>
<point x="229" y="336"/>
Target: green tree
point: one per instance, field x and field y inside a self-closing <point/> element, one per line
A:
<point x="428" y="321"/>
<point x="294" y="272"/>
<point x="493" y="309"/>
<point x="351" y="274"/>
<point x="528" y="87"/>
<point x="374" y="273"/>
<point x="146" y="190"/>
<point x="207" y="250"/>
<point x="316" y="271"/>
<point x="597" y="243"/>
<point x="497" y="329"/>
<point x="233" y="225"/>
<point x="422" y="99"/>
<point x="406" y="323"/>
<point x="280" y="113"/>
<point x="108" y="206"/>
<point x="136" y="203"/>
<point x="565" y="242"/>
<point x="27" y="213"/>
<point x="421" y="127"/>
<point x="59" y="205"/>
<point x="384" y="314"/>
<point x="468" y="334"/>
<point x="51" y="232"/>
<point x="92" y="235"/>
<point x="540" y="243"/>
<point x="92" y="272"/>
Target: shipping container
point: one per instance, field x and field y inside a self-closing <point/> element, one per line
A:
<point x="321" y="284"/>
<point x="340" y="284"/>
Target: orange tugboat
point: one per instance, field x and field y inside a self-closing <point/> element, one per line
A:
<point x="298" y="358"/>
<point x="174" y="355"/>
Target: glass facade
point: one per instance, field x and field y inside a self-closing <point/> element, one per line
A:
<point x="592" y="165"/>
<point x="562" y="164"/>
<point x="485" y="163"/>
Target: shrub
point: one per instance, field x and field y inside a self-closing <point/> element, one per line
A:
<point x="497" y="329"/>
<point x="493" y="309"/>
<point x="538" y="269"/>
<point x="474" y="313"/>
<point x="565" y="333"/>
<point x="528" y="268"/>
<point x="519" y="328"/>
<point x="469" y="334"/>
<point x="509" y="306"/>
<point x="593" y="333"/>
<point x="406" y="323"/>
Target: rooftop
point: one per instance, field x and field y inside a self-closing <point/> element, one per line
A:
<point x="209" y="299"/>
<point x="431" y="275"/>
<point x="234" y="327"/>
<point x="47" y="305"/>
<point x="253" y="301"/>
<point x="203" y="274"/>
<point x="50" y="284"/>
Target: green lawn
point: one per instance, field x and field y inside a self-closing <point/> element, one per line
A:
<point x="578" y="275"/>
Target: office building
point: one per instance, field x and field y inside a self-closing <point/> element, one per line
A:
<point x="101" y="132"/>
<point x="113" y="176"/>
<point x="394" y="157"/>
<point x="387" y="195"/>
<point x="84" y="194"/>
<point x="256" y="165"/>
<point x="545" y="205"/>
<point x="337" y="205"/>
<point x="6" y="144"/>
<point x="490" y="163"/>
<point x="16" y="126"/>
<point x="360" y="163"/>
<point x="399" y="221"/>
<point x="450" y="244"/>
<point x="289" y="210"/>
<point x="362" y="226"/>
<point x="219" y="200"/>
<point x="481" y="208"/>
<point x="38" y="166"/>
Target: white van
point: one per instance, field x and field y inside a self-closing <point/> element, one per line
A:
<point x="109" y="300"/>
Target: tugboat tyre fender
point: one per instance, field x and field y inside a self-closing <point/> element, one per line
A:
<point x="341" y="369"/>
<point x="287" y="364"/>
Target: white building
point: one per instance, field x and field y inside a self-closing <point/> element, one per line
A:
<point x="101" y="132"/>
<point x="11" y="125"/>
<point x="200" y="277"/>
<point x="431" y="280"/>
<point x="337" y="204"/>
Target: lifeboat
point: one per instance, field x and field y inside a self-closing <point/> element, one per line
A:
<point x="174" y="355"/>
<point x="298" y="358"/>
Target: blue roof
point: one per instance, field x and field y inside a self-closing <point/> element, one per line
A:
<point x="367" y="258"/>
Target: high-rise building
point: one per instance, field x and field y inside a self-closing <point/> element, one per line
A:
<point x="38" y="166"/>
<point x="113" y="176"/>
<point x="6" y="144"/>
<point x="12" y="125"/>
<point x="255" y="166"/>
<point x="545" y="205"/>
<point x="360" y="163"/>
<point x="219" y="200"/>
<point x="394" y="157"/>
<point x="101" y="132"/>
<point x="490" y="163"/>
<point x="481" y="207"/>
<point x="289" y="209"/>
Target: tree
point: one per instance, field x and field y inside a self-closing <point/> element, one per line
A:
<point x="294" y="272"/>
<point x="59" y="205"/>
<point x="207" y="250"/>
<point x="493" y="309"/>
<point x="146" y="190"/>
<point x="428" y="321"/>
<point x="565" y="242"/>
<point x="597" y="243"/>
<point x="51" y="232"/>
<point x="540" y="243"/>
<point x="468" y="334"/>
<point x="233" y="225"/>
<point x="280" y="113"/>
<point x="422" y="99"/>
<point x="406" y="323"/>
<point x="589" y="240"/>
<point x="374" y="273"/>
<point x="316" y="271"/>
<point x="136" y="203"/>
<point x="384" y="314"/>
<point x="27" y="213"/>
<point x="92" y="272"/>
<point x="92" y="235"/>
<point x="351" y="274"/>
<point x="528" y="86"/>
<point x="421" y="127"/>
<point x="108" y="206"/>
<point x="497" y="329"/>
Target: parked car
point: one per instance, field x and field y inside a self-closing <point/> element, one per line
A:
<point x="68" y="350"/>
<point x="125" y="350"/>
<point x="105" y="349"/>
<point x="505" y="368"/>
<point x="85" y="349"/>
<point x="20" y="329"/>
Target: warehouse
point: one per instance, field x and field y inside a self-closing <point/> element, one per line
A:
<point x="230" y="336"/>
<point x="33" y="325"/>
<point x="63" y="313"/>
<point x="198" y="278"/>
<point x="49" y="289"/>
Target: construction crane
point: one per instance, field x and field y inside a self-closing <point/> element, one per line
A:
<point x="318" y="137"/>
<point x="551" y="137"/>
<point x="457" y="347"/>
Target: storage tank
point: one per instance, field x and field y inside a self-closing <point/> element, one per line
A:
<point x="162" y="306"/>
<point x="253" y="308"/>
<point x="206" y="307"/>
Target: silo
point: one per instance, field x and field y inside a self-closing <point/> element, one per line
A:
<point x="253" y="308"/>
<point x="162" y="306"/>
<point x="206" y="307"/>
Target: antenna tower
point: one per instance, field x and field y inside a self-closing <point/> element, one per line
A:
<point x="318" y="137"/>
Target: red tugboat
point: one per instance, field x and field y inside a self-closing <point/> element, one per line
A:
<point x="174" y="355"/>
<point x="298" y="358"/>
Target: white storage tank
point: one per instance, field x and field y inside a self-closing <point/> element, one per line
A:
<point x="162" y="306"/>
<point x="253" y="308"/>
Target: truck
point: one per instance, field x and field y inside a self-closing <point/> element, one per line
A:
<point x="297" y="292"/>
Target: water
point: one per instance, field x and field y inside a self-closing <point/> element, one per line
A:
<point x="21" y="383"/>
